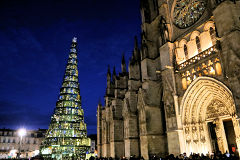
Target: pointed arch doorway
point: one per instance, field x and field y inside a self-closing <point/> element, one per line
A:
<point x="209" y="117"/>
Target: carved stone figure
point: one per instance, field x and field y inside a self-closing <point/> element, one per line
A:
<point x="216" y="109"/>
<point x="163" y="30"/>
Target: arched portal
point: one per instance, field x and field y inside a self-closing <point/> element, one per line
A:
<point x="209" y="117"/>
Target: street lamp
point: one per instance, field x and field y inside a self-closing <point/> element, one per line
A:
<point x="21" y="132"/>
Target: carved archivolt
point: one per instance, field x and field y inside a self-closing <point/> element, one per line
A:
<point x="205" y="99"/>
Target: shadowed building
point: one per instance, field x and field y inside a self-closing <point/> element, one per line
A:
<point x="181" y="91"/>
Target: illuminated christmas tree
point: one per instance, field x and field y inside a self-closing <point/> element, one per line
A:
<point x="66" y="137"/>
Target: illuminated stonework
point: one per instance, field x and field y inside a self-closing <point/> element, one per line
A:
<point x="66" y="137"/>
<point x="203" y="59"/>
<point x="181" y="93"/>
<point x="207" y="101"/>
<point x="206" y="63"/>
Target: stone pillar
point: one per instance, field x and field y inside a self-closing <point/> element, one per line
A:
<point x="237" y="131"/>
<point x="175" y="142"/>
<point x="116" y="140"/>
<point x="208" y="141"/>
<point x="131" y="138"/>
<point x="221" y="136"/>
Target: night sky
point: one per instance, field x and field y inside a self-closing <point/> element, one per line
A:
<point x="35" y="38"/>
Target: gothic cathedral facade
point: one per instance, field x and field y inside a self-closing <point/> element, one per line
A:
<point x="181" y="92"/>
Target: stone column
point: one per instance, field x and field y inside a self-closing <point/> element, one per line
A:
<point x="221" y="136"/>
<point x="208" y="140"/>
<point x="237" y="131"/>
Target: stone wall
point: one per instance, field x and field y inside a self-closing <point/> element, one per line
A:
<point x="144" y="107"/>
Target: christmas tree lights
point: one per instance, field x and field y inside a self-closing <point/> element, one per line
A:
<point x="66" y="137"/>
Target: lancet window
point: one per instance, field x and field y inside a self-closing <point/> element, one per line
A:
<point x="213" y="35"/>
<point x="198" y="45"/>
<point x="185" y="51"/>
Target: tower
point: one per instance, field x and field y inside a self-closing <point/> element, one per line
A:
<point x="66" y="137"/>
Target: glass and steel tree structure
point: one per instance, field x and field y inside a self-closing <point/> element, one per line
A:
<point x="66" y="137"/>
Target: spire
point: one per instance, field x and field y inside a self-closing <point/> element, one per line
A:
<point x="136" y="53"/>
<point x="135" y="42"/>
<point x="99" y="102"/>
<point x="67" y="122"/>
<point x="108" y="77"/>
<point x="114" y="71"/>
<point x="123" y="65"/>
<point x="114" y="75"/>
<point x="109" y="72"/>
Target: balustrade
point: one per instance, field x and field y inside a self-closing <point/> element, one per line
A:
<point x="206" y="63"/>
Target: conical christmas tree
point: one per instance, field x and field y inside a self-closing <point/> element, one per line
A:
<point x="66" y="137"/>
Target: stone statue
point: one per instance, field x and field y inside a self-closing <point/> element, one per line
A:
<point x="163" y="30"/>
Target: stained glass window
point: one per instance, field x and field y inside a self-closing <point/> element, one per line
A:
<point x="187" y="12"/>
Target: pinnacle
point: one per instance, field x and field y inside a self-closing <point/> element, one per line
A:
<point x="124" y="68"/>
<point x="123" y="59"/>
<point x="109" y="72"/>
<point x="135" y="42"/>
<point x="114" y="71"/>
<point x="99" y="102"/>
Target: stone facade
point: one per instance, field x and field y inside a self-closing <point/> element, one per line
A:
<point x="181" y="91"/>
<point x="10" y="143"/>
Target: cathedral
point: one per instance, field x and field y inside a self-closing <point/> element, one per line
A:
<point x="181" y="91"/>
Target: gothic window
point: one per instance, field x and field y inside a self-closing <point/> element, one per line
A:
<point x="187" y="12"/>
<point x="198" y="44"/>
<point x="185" y="51"/>
<point x="213" y="35"/>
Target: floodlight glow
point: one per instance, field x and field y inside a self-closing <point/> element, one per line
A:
<point x="13" y="151"/>
<point x="22" y="132"/>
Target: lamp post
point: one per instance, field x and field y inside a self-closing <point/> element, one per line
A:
<point x="21" y="132"/>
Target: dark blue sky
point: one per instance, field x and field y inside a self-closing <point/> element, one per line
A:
<point x="35" y="38"/>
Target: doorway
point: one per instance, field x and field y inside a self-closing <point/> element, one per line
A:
<point x="230" y="136"/>
<point x="213" y="137"/>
